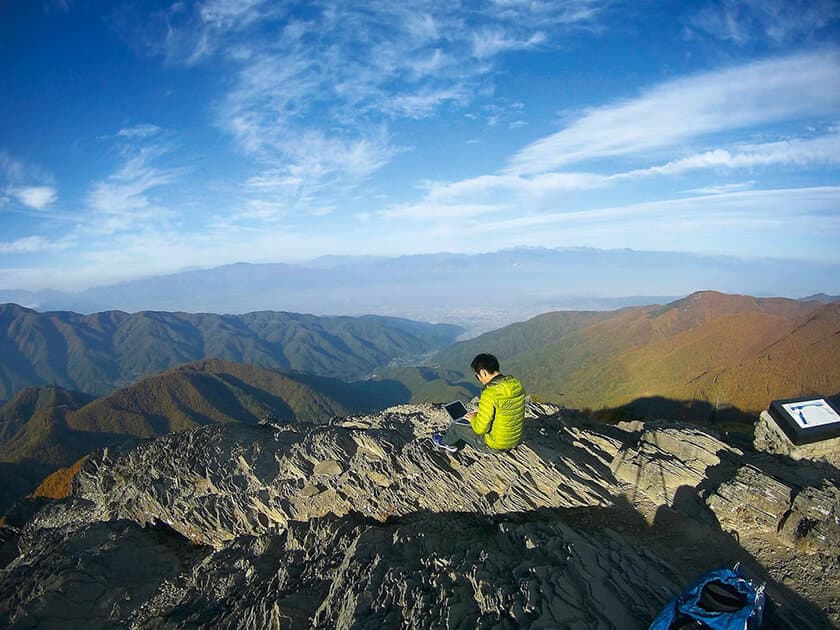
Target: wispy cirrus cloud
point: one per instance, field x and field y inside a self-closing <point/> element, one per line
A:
<point x="680" y="111"/>
<point x="497" y="193"/>
<point x="142" y="131"/>
<point x="190" y="32"/>
<point x="742" y="221"/>
<point x="722" y="188"/>
<point x="29" y="245"/>
<point x="491" y="42"/>
<point x="122" y="200"/>
<point x="491" y="194"/>
<point x="344" y="66"/>
<point x="732" y="221"/>
<point x="820" y="151"/>
<point x="314" y="162"/>
<point x="777" y="21"/>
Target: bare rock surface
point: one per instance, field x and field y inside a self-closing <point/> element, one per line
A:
<point x="359" y="523"/>
<point x="771" y="439"/>
<point x="217" y="483"/>
<point x="668" y="458"/>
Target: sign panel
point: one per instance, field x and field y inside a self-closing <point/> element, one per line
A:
<point x="806" y="420"/>
<point x="811" y="413"/>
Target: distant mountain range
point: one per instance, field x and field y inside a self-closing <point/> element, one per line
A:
<point x="46" y="428"/>
<point x="692" y="358"/>
<point x="715" y="349"/>
<point x="455" y="288"/>
<point x="99" y="353"/>
<point x="821" y="297"/>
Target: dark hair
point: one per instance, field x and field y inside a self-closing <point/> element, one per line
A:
<point x="485" y="362"/>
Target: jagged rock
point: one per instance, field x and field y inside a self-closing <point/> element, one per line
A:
<point x="427" y="570"/>
<point x="771" y="439"/>
<point x="362" y="523"/>
<point x="813" y="523"/>
<point x="223" y="481"/>
<point x="666" y="459"/>
<point x="806" y="517"/>
<point x="751" y="499"/>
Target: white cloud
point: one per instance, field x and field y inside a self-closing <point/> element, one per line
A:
<point x="488" y="194"/>
<point x="428" y="64"/>
<point x="778" y="206"/>
<point x="30" y="245"/>
<point x="311" y="158"/>
<point x="350" y="63"/>
<point x="492" y="185"/>
<point x="121" y="201"/>
<point x="139" y="131"/>
<point x="432" y="211"/>
<point x="314" y="173"/>
<point x="37" y="197"/>
<point x="25" y="183"/>
<point x="821" y="151"/>
<point x="533" y="193"/>
<point x="231" y="14"/>
<point x="490" y="42"/>
<point x="722" y="188"/>
<point x="779" y="21"/>
<point x="262" y="211"/>
<point x="789" y="223"/>
<point x="776" y="90"/>
<point x="425" y="102"/>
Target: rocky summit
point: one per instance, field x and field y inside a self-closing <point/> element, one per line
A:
<point x="359" y="522"/>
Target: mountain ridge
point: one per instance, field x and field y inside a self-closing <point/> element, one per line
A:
<point x="450" y="286"/>
<point x="101" y="352"/>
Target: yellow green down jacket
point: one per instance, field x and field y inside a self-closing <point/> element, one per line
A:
<point x="501" y="413"/>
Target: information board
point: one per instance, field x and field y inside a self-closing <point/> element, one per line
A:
<point x="806" y="420"/>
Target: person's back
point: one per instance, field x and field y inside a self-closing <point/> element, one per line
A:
<point x="501" y="413"/>
<point x="499" y="422"/>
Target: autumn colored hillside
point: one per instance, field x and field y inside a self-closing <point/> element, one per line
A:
<point x="727" y="350"/>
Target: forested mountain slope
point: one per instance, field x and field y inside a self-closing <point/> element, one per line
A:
<point x="101" y="352"/>
<point x="728" y="350"/>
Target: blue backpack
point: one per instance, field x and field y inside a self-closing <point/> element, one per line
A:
<point x="720" y="600"/>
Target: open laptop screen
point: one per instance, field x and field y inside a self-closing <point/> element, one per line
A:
<point x="456" y="409"/>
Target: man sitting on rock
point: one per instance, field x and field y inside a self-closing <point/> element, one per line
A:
<point x="499" y="422"/>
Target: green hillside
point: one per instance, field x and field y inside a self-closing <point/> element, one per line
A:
<point x="102" y="352"/>
<point x="44" y="429"/>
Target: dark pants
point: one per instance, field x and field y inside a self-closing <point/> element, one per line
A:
<point x="464" y="433"/>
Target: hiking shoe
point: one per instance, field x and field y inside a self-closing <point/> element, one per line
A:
<point x="437" y="440"/>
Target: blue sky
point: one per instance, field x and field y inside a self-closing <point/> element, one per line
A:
<point x="141" y="138"/>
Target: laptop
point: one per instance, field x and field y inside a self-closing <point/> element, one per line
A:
<point x="457" y="411"/>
